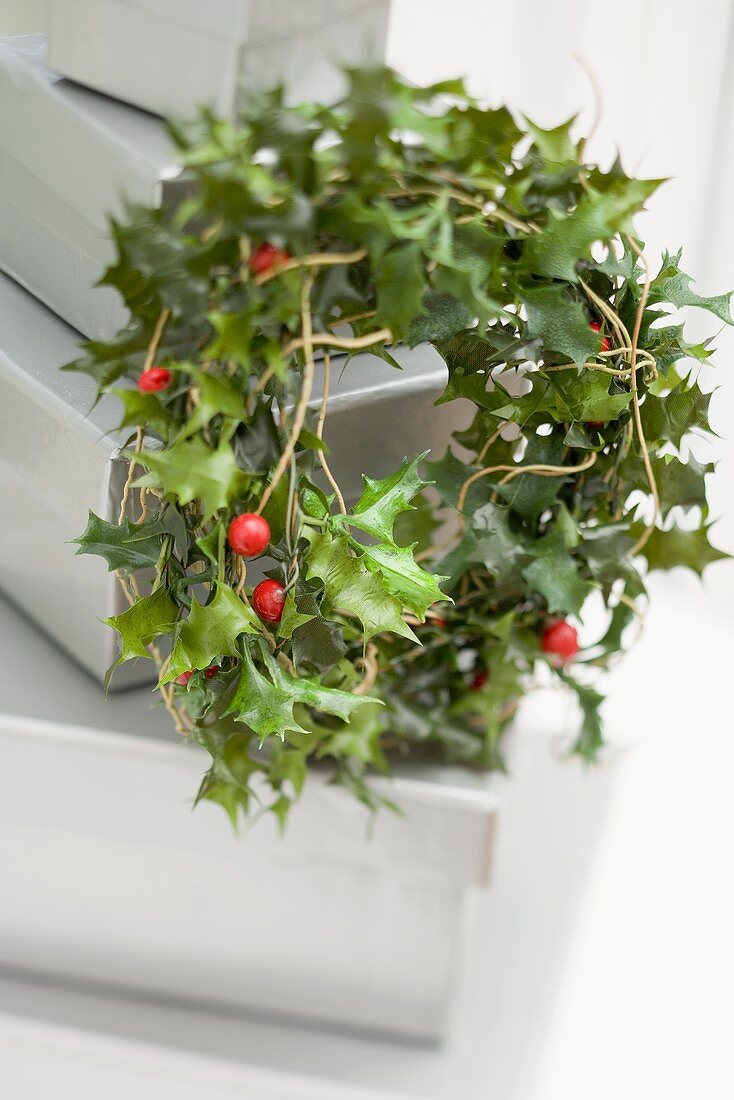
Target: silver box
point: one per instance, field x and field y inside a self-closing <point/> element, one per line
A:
<point x="108" y="878"/>
<point x="68" y="158"/>
<point x="59" y="457"/>
<point x="171" y="56"/>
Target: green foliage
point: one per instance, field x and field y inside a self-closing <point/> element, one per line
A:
<point x="451" y="224"/>
<point x="127" y="546"/>
<point x="211" y="632"/>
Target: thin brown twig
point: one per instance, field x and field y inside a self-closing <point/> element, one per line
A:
<point x="363" y="316"/>
<point x="130" y="477"/>
<point x="320" y="435"/>
<point x="299" y="415"/>
<point x="347" y="343"/>
<point x="315" y="259"/>
<point x="371" y="667"/>
<point x="539" y="470"/>
<point x="650" y="527"/>
<point x="156" y="338"/>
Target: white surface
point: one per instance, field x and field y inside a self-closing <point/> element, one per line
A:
<point x="108" y="876"/>
<point x="38" y="1059"/>
<point x="173" y="56"/>
<point x="614" y="987"/>
<point x="68" y="157"/>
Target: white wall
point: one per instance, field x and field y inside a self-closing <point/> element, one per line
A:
<point x="22" y="16"/>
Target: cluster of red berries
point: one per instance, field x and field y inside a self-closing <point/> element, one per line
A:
<point x="266" y="257"/>
<point x="248" y="535"/>
<point x="559" y="640"/>
<point x="606" y="343"/>
<point x="184" y="678"/>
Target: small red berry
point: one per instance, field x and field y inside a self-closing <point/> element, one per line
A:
<point x="154" y="380"/>
<point x="561" y="640"/>
<point x="606" y="343"/>
<point x="480" y="680"/>
<point x="593" y="424"/>
<point x="268" y="599"/>
<point x="266" y="257"/>
<point x="184" y="678"/>
<point x="440" y="623"/>
<point x="248" y="534"/>
<point x="211" y="671"/>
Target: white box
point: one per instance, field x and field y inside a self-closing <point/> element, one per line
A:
<point x="172" y="56"/>
<point x="68" y="158"/>
<point x="39" y="1059"/>
<point x="109" y="878"/>
<point x="59" y="457"/>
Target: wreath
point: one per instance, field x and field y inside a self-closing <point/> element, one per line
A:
<point x="414" y="619"/>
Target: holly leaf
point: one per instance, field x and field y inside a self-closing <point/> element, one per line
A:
<point x="443" y="316"/>
<point x="349" y="585"/>
<point x="401" y="283"/>
<point x="414" y="587"/>
<point x="340" y="704"/>
<point x="676" y="547"/>
<point x="288" y="766"/>
<point x="359" y="739"/>
<point x="449" y="475"/>
<point x="673" y="286"/>
<point x="556" y="146"/>
<point x="567" y="238"/>
<point x="527" y="495"/>
<point x="141" y="624"/>
<point x="123" y="546"/>
<point x="680" y="484"/>
<point x="560" y="322"/>
<point x="487" y="540"/>
<point x="233" y="336"/>
<point x="584" y="395"/>
<point x="292" y="618"/>
<point x="318" y="644"/>
<point x="190" y="470"/>
<point x="381" y="501"/>
<point x="415" y="528"/>
<point x="670" y="417"/>
<point x="217" y="396"/>
<point x="143" y="410"/>
<point x="211" y="631"/>
<point x="266" y="708"/>
<point x="590" y="738"/>
<point x="555" y="574"/>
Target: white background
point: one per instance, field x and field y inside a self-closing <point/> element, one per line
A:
<point x="644" y="1004"/>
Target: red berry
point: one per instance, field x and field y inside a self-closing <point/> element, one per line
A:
<point x="266" y="257"/>
<point x="606" y="343"/>
<point x="480" y="680"/>
<point x="154" y="380"/>
<point x="211" y="671"/>
<point x="593" y="424"/>
<point x="248" y="534"/>
<point x="440" y="623"/>
<point x="268" y="599"/>
<point x="184" y="678"/>
<point x="561" y="640"/>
